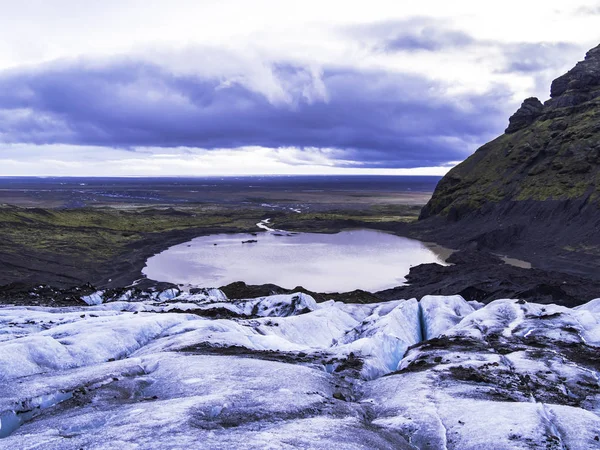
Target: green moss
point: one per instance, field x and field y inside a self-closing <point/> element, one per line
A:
<point x="380" y="216"/>
<point x="552" y="191"/>
<point x="588" y="249"/>
<point x="102" y="234"/>
<point x="556" y="157"/>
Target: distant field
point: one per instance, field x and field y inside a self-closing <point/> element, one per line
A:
<point x="269" y="192"/>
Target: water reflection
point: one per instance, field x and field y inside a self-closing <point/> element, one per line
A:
<point x="357" y="259"/>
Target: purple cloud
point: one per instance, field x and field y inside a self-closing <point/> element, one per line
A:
<point x="376" y="119"/>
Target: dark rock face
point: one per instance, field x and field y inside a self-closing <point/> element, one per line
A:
<point x="530" y="110"/>
<point x="536" y="188"/>
<point x="579" y="85"/>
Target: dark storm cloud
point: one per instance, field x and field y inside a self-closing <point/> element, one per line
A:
<point x="377" y="119"/>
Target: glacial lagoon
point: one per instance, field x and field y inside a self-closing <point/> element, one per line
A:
<point x="357" y="259"/>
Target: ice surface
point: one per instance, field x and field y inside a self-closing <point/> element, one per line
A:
<point x="440" y="313"/>
<point x="280" y="305"/>
<point x="178" y="370"/>
<point x="94" y="299"/>
<point x="90" y="340"/>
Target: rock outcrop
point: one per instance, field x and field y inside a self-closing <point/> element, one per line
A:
<point x="530" y="110"/>
<point x="537" y="185"/>
<point x="578" y="85"/>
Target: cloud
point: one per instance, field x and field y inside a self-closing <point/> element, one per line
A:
<point x="439" y="36"/>
<point x="363" y="118"/>
<point x="593" y="10"/>
<point x="67" y="160"/>
<point x="538" y="57"/>
<point x="410" y="35"/>
<point x="428" y="39"/>
<point x="378" y="84"/>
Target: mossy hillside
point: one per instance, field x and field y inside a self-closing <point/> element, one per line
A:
<point x="557" y="157"/>
<point x="549" y="151"/>
<point x="582" y="248"/>
<point x="141" y="220"/>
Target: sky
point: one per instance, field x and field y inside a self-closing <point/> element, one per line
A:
<point x="243" y="87"/>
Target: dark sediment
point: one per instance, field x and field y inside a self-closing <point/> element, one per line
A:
<point x="241" y="290"/>
<point x="554" y="235"/>
<point x="63" y="270"/>
<point x="484" y="277"/>
<point x="474" y="275"/>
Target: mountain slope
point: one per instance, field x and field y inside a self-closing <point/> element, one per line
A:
<point x="538" y="182"/>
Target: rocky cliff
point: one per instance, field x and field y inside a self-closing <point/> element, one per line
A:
<point x="537" y="183"/>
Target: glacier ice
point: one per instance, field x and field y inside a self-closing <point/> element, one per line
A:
<point x="94" y="299"/>
<point x="285" y="371"/>
<point x="440" y="313"/>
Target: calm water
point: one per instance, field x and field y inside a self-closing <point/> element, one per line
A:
<point x="358" y="259"/>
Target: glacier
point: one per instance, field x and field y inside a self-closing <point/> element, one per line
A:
<point x="173" y="369"/>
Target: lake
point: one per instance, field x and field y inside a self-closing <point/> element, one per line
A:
<point x="357" y="259"/>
